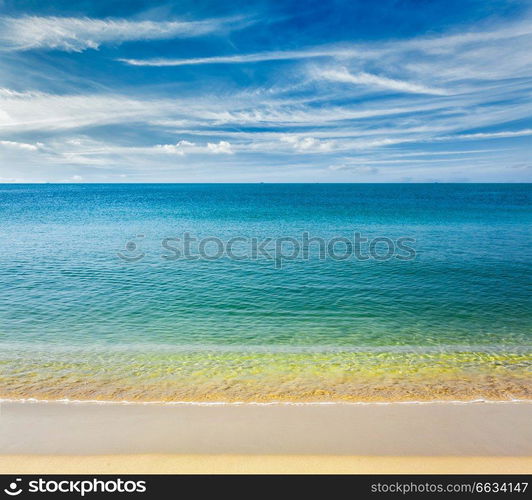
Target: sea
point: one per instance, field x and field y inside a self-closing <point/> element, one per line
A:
<point x="265" y="292"/>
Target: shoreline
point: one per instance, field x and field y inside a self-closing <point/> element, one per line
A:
<point x="67" y="401"/>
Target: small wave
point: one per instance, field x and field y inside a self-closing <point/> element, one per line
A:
<point x="67" y="401"/>
<point x="263" y="348"/>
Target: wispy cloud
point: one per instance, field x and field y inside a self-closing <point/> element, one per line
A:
<point x="25" y="111"/>
<point x="22" y="145"/>
<point x="361" y="169"/>
<point x="73" y="34"/>
<point x="184" y="147"/>
<point x="493" y="135"/>
<point x="436" y="45"/>
<point x="247" y="58"/>
<point x="362" y="78"/>
<point x="409" y="108"/>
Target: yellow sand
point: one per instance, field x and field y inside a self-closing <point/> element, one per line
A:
<point x="261" y="464"/>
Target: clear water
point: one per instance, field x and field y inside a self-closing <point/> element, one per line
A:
<point x="76" y="321"/>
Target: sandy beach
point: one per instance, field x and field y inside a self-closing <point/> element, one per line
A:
<point x="90" y="437"/>
<point x="259" y="464"/>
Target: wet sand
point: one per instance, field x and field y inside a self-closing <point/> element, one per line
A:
<point x="395" y="437"/>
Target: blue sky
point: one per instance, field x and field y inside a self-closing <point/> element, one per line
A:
<point x="272" y="91"/>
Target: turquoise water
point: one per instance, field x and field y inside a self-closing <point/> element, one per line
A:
<point x="78" y="321"/>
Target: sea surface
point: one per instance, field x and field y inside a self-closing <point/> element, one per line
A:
<point x="99" y="302"/>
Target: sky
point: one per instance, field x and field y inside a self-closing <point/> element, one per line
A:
<point x="266" y="91"/>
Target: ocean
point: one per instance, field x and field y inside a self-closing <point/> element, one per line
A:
<point x="265" y="292"/>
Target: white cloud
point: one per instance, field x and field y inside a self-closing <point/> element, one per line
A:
<point x="223" y="147"/>
<point x="77" y="34"/>
<point x="176" y="149"/>
<point x="22" y="145"/>
<point x="492" y="135"/>
<point x="245" y="58"/>
<point x="307" y="144"/>
<point x="362" y="78"/>
<point x="40" y="111"/>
